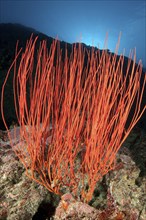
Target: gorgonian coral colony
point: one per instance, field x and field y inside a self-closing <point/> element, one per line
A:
<point x="72" y="111"/>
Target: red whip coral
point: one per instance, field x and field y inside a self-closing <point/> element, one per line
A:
<point x="72" y="111"/>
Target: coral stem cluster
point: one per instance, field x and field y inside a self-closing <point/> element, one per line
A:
<point x="72" y="110"/>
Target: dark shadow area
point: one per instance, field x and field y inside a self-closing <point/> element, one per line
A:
<point x="45" y="211"/>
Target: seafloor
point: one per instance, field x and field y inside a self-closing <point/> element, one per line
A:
<point x="120" y="195"/>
